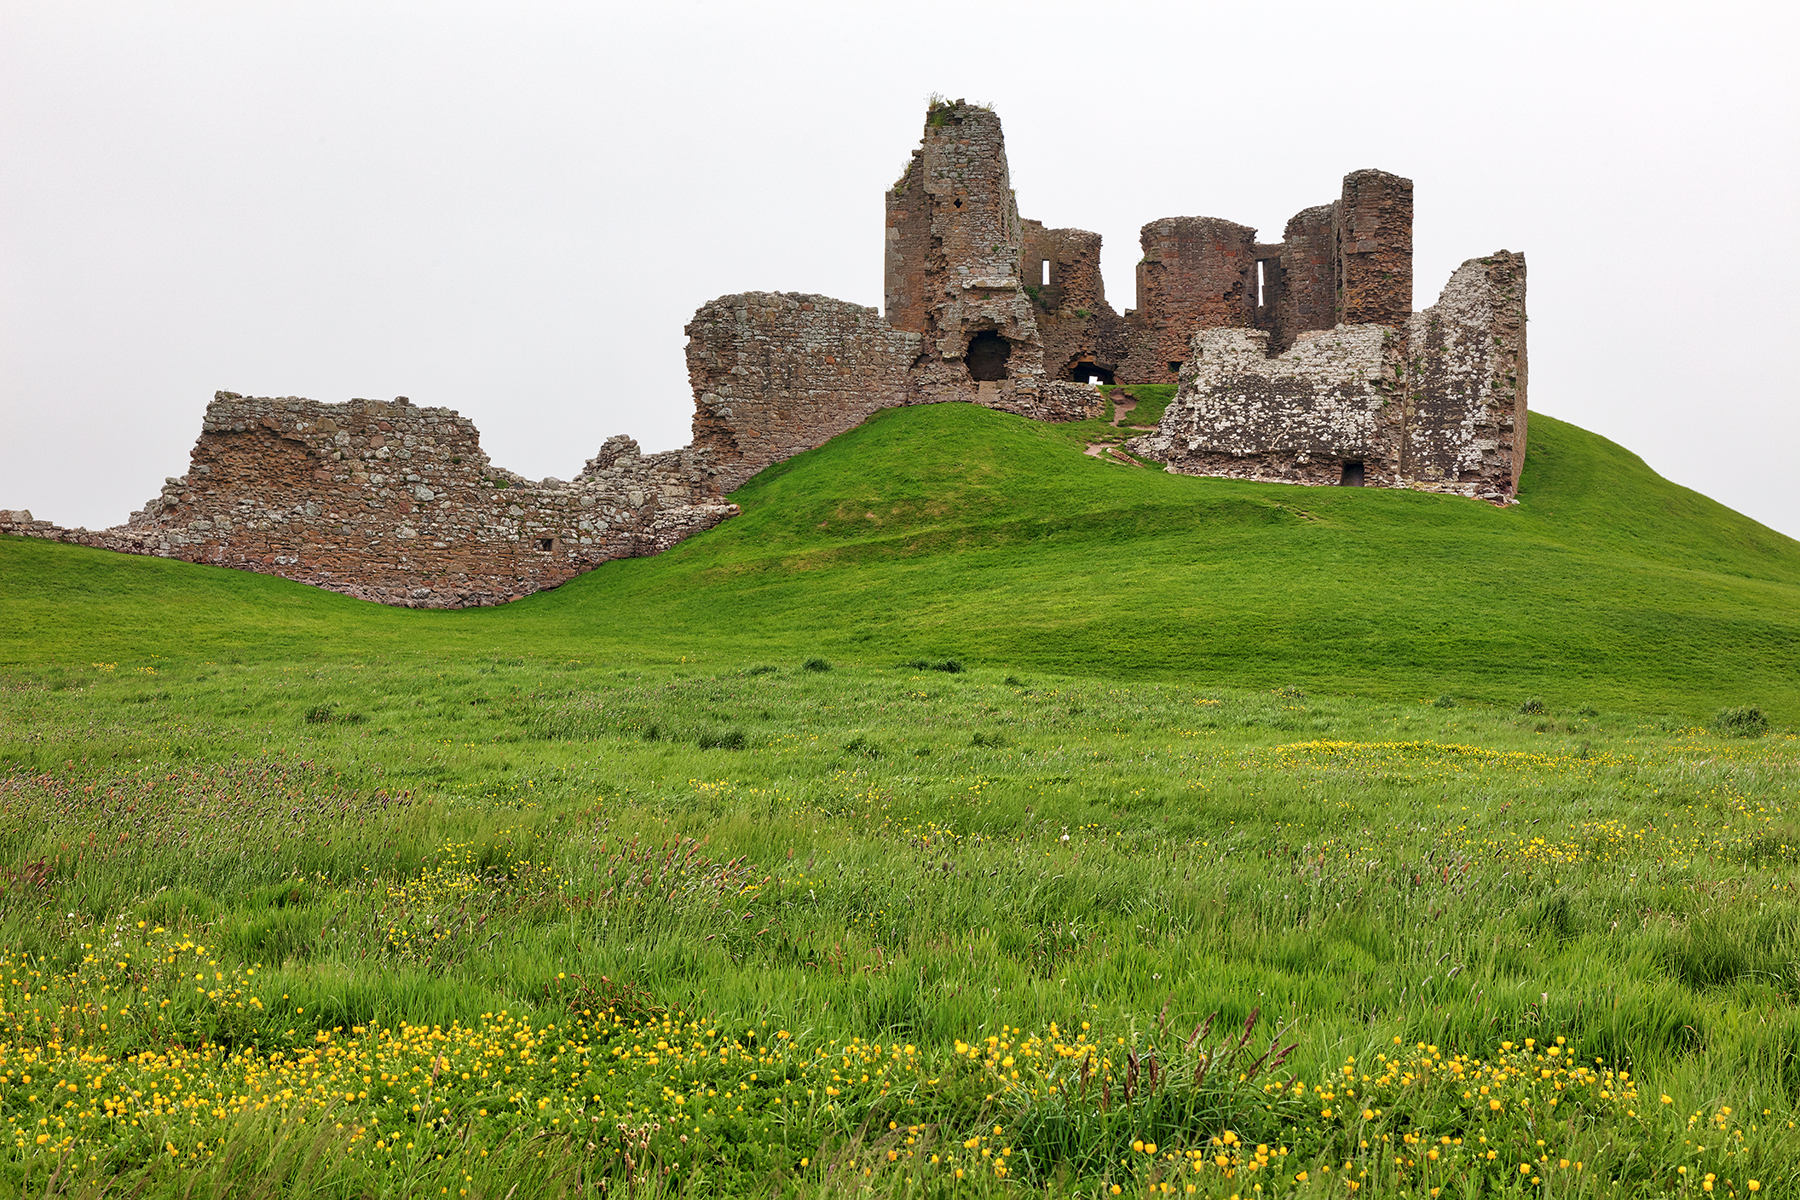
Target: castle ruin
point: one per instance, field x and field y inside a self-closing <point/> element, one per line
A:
<point x="1299" y="361"/>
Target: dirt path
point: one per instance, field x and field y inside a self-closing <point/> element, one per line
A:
<point x="1111" y="453"/>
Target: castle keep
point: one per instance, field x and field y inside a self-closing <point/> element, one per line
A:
<point x="1298" y="361"/>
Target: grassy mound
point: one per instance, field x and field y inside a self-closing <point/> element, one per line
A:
<point x="840" y="852"/>
<point x="953" y="531"/>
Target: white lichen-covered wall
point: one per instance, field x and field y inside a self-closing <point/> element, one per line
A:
<point x="1466" y="377"/>
<point x="1438" y="406"/>
<point x="1296" y="417"/>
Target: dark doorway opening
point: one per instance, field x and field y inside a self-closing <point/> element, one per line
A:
<point x="1087" y="372"/>
<point x="987" y="356"/>
<point x="1352" y="476"/>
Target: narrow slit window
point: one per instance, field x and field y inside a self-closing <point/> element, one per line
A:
<point x="1261" y="284"/>
<point x="1046" y="279"/>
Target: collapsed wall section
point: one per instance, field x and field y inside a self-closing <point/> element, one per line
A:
<point x="1315" y="414"/>
<point x="398" y="504"/>
<point x="1466" y="377"/>
<point x="775" y="374"/>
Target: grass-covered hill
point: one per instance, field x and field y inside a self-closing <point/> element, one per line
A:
<point x="675" y="882"/>
<point x="951" y="530"/>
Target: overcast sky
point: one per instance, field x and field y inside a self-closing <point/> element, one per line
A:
<point x="512" y="208"/>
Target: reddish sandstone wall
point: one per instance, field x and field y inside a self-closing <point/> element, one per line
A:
<point x="1374" y="249"/>
<point x="953" y="250"/>
<point x="1300" y="283"/>
<point x="1080" y="330"/>
<point x="398" y="504"/>
<point x="1197" y="273"/>
<point x="775" y="374"/>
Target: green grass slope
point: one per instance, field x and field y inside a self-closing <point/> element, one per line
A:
<point x="951" y="530"/>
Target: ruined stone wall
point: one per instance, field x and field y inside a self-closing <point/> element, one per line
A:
<point x="775" y="374"/>
<point x="1437" y="406"/>
<point x="1297" y="417"/>
<point x="1300" y="282"/>
<point x="1038" y="246"/>
<point x="954" y="245"/>
<point x="398" y="504"/>
<point x="1080" y="330"/>
<point x="390" y="502"/>
<point x="1465" y="387"/>
<point x="1374" y="249"/>
<point x="1197" y="273"/>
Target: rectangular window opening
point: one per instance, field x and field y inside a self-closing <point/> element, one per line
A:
<point x="1046" y="279"/>
<point x="1261" y="283"/>
<point x="1174" y="368"/>
<point x="546" y="543"/>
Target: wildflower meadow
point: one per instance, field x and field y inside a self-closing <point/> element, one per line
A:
<point x="536" y="926"/>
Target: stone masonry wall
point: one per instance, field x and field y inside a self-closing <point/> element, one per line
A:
<point x="1374" y="249"/>
<point x="389" y="502"/>
<point x="1294" y="418"/>
<point x="1439" y="406"/>
<point x="954" y="242"/>
<point x="1197" y="273"/>
<point x="1079" y="328"/>
<point x="1466" y="376"/>
<point x="1300" y="283"/>
<point x="776" y="374"/>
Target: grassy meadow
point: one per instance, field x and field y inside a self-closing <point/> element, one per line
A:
<point x="967" y="817"/>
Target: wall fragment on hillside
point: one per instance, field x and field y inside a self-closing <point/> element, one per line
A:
<point x="390" y="502"/>
<point x="1297" y="417"/>
<point x="1466" y="377"/>
<point x="777" y="374"/>
<point x="1439" y="406"/>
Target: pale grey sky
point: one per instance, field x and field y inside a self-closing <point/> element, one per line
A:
<point x="511" y="209"/>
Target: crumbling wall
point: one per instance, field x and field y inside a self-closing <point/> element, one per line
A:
<point x="954" y="241"/>
<point x="775" y="374"/>
<point x="1439" y="406"/>
<point x="1083" y="337"/>
<point x="1374" y="249"/>
<point x="1465" y="386"/>
<point x="1298" y="417"/>
<point x="1196" y="273"/>
<point x="390" y="502"/>
<point x="1300" y="281"/>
